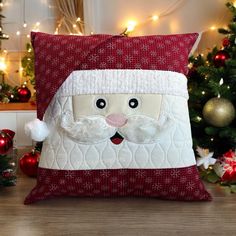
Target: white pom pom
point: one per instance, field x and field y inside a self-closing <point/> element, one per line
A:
<point x="37" y="130"/>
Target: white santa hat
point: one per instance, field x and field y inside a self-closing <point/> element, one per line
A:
<point x="112" y="82"/>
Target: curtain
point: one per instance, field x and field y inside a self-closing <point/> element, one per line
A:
<point x="70" y="16"/>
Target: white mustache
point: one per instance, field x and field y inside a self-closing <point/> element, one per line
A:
<point x="94" y="129"/>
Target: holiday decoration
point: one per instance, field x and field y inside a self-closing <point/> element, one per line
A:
<point x="205" y="158"/>
<point x="24" y="94"/>
<point x="6" y="141"/>
<point x="8" y="93"/>
<point x="116" y="143"/>
<point x="219" y="112"/>
<point x="226" y="42"/>
<point x="212" y="99"/>
<point x="225" y="167"/>
<point x="29" y="163"/>
<point x="7" y="161"/>
<point x="220" y="58"/>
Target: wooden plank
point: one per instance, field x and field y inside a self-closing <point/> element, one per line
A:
<point x="17" y="106"/>
<point x="114" y="216"/>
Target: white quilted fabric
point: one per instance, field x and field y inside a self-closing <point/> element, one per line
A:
<point x="172" y="150"/>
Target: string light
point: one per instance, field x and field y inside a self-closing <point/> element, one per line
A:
<point x="155" y="17"/>
<point x="203" y="92"/>
<point x="78" y="19"/>
<point x="17" y="33"/>
<point x="37" y="24"/>
<point x="213" y="28"/>
<point x="3" y="65"/>
<point x="221" y="81"/>
<point x="198" y="118"/>
<point x="24" y="25"/>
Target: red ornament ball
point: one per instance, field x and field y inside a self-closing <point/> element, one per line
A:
<point x="220" y="58"/>
<point x="24" y="94"/>
<point x="29" y="163"/>
<point x="6" y="140"/>
<point x="225" y="42"/>
<point x="8" y="173"/>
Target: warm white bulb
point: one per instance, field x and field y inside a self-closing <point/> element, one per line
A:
<point x="74" y="25"/>
<point x="212" y="27"/>
<point x="203" y="92"/>
<point x="37" y="23"/>
<point x="131" y="26"/>
<point x="155" y="17"/>
<point x="221" y="81"/>
<point x="18" y="33"/>
<point x="28" y="36"/>
<point x="78" y="19"/>
<point x="3" y="65"/>
<point x="24" y="25"/>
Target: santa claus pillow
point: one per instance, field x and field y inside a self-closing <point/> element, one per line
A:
<point x="113" y="112"/>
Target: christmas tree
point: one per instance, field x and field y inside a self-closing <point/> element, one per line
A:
<point x="212" y="90"/>
<point x="7" y="158"/>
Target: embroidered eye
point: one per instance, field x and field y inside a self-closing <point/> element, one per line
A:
<point x="101" y="103"/>
<point x="133" y="102"/>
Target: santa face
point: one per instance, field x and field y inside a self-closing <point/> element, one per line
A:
<point x="132" y="117"/>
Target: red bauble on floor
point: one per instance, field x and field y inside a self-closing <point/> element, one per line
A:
<point x="29" y="163"/>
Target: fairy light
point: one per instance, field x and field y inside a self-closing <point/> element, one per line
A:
<point x="74" y="26"/>
<point x="24" y="25"/>
<point x="198" y="118"/>
<point x="228" y="87"/>
<point x="212" y="28"/>
<point x="3" y="65"/>
<point x="28" y="36"/>
<point x="203" y="92"/>
<point x="190" y="65"/>
<point x="155" y="17"/>
<point x="18" y="33"/>
<point x="212" y="139"/>
<point x="131" y="26"/>
<point x="221" y="81"/>
<point x="78" y="19"/>
<point x="37" y="24"/>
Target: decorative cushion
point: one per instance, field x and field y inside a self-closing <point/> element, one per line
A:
<point x="117" y="114"/>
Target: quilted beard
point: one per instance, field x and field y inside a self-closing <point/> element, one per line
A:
<point x="94" y="129"/>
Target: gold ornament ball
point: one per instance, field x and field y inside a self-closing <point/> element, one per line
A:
<point x="219" y="112"/>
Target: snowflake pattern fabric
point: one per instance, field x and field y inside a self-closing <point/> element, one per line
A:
<point x="168" y="173"/>
<point x="172" y="184"/>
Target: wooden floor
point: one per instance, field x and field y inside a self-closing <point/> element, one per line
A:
<point x="120" y="216"/>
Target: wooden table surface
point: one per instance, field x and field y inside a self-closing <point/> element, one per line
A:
<point x="114" y="216"/>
